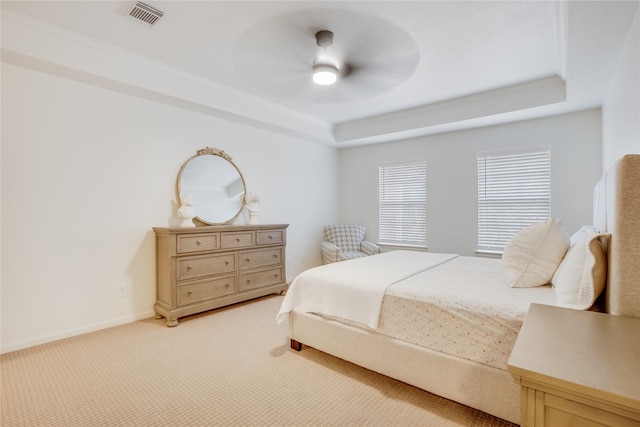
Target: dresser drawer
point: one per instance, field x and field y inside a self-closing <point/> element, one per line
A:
<point x="197" y="242"/>
<point x="193" y="267"/>
<point x="259" y="258"/>
<point x="205" y="290"/>
<point x="241" y="239"/>
<point x="270" y="237"/>
<point x="262" y="278"/>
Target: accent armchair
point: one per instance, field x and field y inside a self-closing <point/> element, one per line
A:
<point x="345" y="241"/>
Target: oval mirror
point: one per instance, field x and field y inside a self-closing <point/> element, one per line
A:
<point x="216" y="186"/>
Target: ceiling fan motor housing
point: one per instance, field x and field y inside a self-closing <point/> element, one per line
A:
<point x="324" y="38"/>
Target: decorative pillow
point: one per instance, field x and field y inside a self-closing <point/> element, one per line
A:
<point x="583" y="233"/>
<point x="533" y="255"/>
<point x="582" y="275"/>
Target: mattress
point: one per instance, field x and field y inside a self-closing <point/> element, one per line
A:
<point x="463" y="307"/>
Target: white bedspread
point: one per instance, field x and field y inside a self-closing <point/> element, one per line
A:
<point x="464" y="308"/>
<point x="354" y="289"/>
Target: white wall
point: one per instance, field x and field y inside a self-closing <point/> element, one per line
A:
<point x="621" y="109"/>
<point x="87" y="172"/>
<point x="576" y="156"/>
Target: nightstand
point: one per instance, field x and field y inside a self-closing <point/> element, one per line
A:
<point x="577" y="368"/>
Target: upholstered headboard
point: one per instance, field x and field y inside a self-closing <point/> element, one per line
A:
<point x="617" y="211"/>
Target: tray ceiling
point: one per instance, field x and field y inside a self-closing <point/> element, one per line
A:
<point x="415" y="67"/>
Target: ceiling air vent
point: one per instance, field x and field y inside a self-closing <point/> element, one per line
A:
<point x="145" y="13"/>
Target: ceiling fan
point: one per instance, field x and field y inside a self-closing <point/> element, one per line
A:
<point x="325" y="70"/>
<point x="363" y="54"/>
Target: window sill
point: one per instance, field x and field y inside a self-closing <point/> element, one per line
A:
<point x="489" y="254"/>
<point x="391" y="246"/>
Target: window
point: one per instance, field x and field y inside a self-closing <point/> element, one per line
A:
<point x="514" y="191"/>
<point x="402" y="204"/>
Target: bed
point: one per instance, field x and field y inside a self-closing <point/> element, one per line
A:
<point x="447" y="323"/>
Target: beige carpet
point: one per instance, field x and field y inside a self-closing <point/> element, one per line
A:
<point x="229" y="367"/>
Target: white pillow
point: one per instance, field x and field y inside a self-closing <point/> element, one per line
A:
<point x="583" y="233"/>
<point x="582" y="275"/>
<point x="533" y="255"/>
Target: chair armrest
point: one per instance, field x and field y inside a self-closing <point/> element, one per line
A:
<point x="329" y="252"/>
<point x="369" y="248"/>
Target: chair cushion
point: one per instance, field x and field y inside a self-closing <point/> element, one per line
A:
<point x="345" y="255"/>
<point x="345" y="236"/>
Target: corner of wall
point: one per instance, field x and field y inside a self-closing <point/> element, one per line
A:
<point x="621" y="108"/>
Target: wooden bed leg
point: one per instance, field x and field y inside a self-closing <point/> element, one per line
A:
<point x="297" y="346"/>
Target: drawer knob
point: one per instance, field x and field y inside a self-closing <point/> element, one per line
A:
<point x="227" y="285"/>
<point x="248" y="259"/>
<point x="275" y="255"/>
<point x="275" y="275"/>
<point x="270" y="236"/>
<point x="237" y="239"/>
<point x="248" y="281"/>
<point x="189" y="267"/>
<point x="199" y="242"/>
<point x="189" y="293"/>
<point x="226" y="262"/>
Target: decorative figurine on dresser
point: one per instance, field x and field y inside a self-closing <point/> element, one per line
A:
<point x="218" y="261"/>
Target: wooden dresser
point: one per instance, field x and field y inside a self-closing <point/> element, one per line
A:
<point x="577" y="368"/>
<point x="201" y="268"/>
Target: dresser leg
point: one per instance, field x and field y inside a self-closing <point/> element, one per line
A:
<point x="297" y="346"/>
<point x="172" y="322"/>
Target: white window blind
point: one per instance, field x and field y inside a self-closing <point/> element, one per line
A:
<point x="402" y="203"/>
<point x="514" y="191"/>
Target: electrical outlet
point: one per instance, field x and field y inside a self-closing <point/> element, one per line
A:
<point x="122" y="289"/>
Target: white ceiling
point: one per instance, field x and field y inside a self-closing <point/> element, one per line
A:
<point x="418" y="67"/>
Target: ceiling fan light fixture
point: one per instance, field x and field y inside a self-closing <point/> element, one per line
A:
<point x="324" y="74"/>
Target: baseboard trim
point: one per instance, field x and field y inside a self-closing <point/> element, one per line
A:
<point x="75" y="331"/>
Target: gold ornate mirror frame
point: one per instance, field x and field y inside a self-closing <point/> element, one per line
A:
<point x="210" y="188"/>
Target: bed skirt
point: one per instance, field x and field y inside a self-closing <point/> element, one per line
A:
<point x="479" y="386"/>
